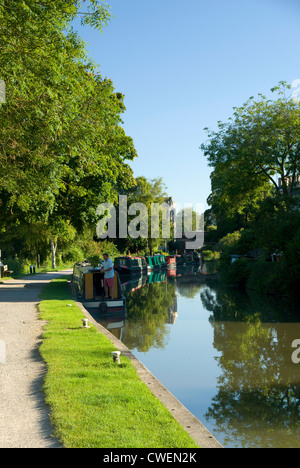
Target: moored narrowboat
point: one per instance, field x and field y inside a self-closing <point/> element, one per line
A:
<point x="144" y="264"/>
<point x="150" y="263"/>
<point x="156" y="262"/>
<point x="161" y="261"/>
<point x="88" y="288"/>
<point x="171" y="261"/>
<point x="128" y="265"/>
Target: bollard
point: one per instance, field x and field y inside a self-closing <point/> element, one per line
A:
<point x="85" y="323"/>
<point x="116" y="356"/>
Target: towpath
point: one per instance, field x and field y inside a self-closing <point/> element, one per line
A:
<point x="24" y="416"/>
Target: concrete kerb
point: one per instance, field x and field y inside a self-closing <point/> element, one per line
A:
<point x="186" y="419"/>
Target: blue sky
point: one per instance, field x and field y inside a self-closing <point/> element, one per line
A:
<point x="183" y="66"/>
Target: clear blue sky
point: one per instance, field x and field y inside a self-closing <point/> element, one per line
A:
<point x="183" y="66"/>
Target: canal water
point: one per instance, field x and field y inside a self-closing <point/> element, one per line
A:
<point x="225" y="355"/>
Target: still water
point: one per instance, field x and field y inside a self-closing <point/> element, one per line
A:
<point x="226" y="356"/>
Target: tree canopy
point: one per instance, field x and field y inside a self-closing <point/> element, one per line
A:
<point x="255" y="201"/>
<point x="63" y="149"/>
<point x="253" y="154"/>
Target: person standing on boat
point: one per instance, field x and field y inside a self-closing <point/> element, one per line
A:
<point x="109" y="274"/>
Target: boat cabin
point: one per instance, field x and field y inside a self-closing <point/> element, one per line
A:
<point x="88" y="287"/>
<point x="128" y="265"/>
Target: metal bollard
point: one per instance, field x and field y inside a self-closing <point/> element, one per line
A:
<point x="85" y="323"/>
<point x="116" y="356"/>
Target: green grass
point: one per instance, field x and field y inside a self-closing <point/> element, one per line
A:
<point x="94" y="402"/>
<point x="6" y="278"/>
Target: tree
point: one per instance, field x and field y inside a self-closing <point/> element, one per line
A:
<point x="145" y="226"/>
<point x="263" y="136"/>
<point x="257" y="151"/>
<point x="62" y="146"/>
<point x="149" y="192"/>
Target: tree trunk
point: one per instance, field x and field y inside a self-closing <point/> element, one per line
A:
<point x="53" y="252"/>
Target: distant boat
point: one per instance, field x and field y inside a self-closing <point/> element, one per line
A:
<point x="88" y="288"/>
<point x="144" y="264"/>
<point x="171" y="261"/>
<point x="156" y="262"/>
<point x="129" y="265"/>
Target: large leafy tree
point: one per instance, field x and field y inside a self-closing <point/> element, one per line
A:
<point x="62" y="146"/>
<point x="257" y="151"/>
<point x="144" y="218"/>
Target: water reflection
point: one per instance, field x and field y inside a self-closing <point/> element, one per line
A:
<point x="258" y="398"/>
<point x="250" y="396"/>
<point x="258" y="389"/>
<point x="149" y="310"/>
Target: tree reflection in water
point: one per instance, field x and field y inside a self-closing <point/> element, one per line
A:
<point x="258" y="399"/>
<point x="149" y="311"/>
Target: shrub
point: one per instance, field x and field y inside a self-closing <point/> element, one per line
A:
<point x="237" y="274"/>
<point x="18" y="266"/>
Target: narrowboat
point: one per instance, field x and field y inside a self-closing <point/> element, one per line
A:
<point x="161" y="261"/>
<point x="144" y="264"/>
<point x="156" y="262"/>
<point x="151" y="263"/>
<point x="128" y="265"/>
<point x="88" y="287"/>
<point x="171" y="261"/>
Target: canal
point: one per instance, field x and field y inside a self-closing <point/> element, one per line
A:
<point x="225" y="355"/>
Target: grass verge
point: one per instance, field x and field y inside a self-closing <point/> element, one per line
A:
<point x="94" y="402"/>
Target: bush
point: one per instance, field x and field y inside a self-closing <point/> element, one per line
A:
<point x="209" y="255"/>
<point x="237" y="274"/>
<point x="19" y="267"/>
<point x="73" y="254"/>
<point x="268" y="278"/>
<point x="94" y="260"/>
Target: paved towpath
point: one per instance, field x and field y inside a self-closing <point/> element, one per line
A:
<point x="24" y="416"/>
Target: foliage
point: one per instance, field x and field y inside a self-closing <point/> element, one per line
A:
<point x="255" y="153"/>
<point x="148" y="309"/>
<point x="146" y="192"/>
<point x="255" y="195"/>
<point x="62" y="146"/>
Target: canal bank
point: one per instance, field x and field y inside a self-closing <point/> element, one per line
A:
<point x="96" y="403"/>
<point x="185" y="418"/>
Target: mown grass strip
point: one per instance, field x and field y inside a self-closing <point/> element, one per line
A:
<point x="94" y="402"/>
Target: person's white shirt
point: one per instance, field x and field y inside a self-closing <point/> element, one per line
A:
<point x="106" y="265"/>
